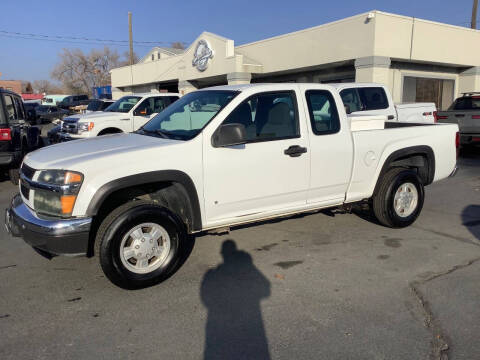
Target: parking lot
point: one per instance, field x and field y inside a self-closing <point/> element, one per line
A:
<point x="326" y="285"/>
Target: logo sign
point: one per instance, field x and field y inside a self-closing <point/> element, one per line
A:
<point x="203" y="52"/>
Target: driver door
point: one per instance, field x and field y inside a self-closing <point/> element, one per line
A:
<point x="147" y="109"/>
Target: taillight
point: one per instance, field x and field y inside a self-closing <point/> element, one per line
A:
<point x="5" y="134"/>
<point x="442" y="117"/>
<point x="475" y="116"/>
<point x="457" y="142"/>
<point x="435" y="116"/>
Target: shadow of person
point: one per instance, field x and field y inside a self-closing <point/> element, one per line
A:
<point x="232" y="293"/>
<point x="471" y="219"/>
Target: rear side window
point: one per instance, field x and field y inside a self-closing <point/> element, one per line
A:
<point x="267" y="116"/>
<point x="323" y="112"/>
<point x="10" y="107"/>
<point x="19" y="108"/>
<point x="373" y="98"/>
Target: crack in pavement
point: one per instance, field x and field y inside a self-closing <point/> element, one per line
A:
<point x="439" y="344"/>
<point x="440" y="233"/>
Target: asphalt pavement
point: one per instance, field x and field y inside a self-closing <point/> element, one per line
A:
<point x="320" y="286"/>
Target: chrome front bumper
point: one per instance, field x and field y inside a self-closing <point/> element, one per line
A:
<point x="55" y="237"/>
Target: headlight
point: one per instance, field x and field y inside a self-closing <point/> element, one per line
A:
<point x="56" y="192"/>
<point x="85" y="126"/>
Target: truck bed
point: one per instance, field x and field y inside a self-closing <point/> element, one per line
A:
<point x="373" y="147"/>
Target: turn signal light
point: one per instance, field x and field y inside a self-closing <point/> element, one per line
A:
<point x="67" y="202"/>
<point x="73" y="177"/>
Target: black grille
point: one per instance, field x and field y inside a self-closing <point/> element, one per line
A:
<point x="25" y="191"/>
<point x="27" y="171"/>
<point x="70" y="126"/>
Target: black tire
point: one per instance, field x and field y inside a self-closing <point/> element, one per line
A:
<point x="14" y="175"/>
<point x="122" y="220"/>
<point x="383" y="198"/>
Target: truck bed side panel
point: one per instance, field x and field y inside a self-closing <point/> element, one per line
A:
<point x="372" y="148"/>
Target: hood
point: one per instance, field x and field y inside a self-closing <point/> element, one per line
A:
<point x="97" y="115"/>
<point x="68" y="155"/>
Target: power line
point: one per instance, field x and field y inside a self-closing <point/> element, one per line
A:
<point x="76" y="38"/>
<point x="69" y="41"/>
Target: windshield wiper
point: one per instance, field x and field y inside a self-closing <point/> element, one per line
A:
<point x="162" y="133"/>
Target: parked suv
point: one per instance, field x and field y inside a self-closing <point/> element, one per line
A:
<point x="17" y="137"/>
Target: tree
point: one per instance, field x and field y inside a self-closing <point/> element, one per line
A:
<point x="178" y="45"/>
<point x="79" y="72"/>
<point x="126" y="59"/>
<point x="47" y="87"/>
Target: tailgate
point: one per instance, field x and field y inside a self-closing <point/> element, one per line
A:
<point x="468" y="121"/>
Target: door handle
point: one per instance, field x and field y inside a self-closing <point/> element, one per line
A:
<point x="390" y="117"/>
<point x="295" y="151"/>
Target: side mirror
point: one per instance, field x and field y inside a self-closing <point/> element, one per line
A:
<point x="229" y="134"/>
<point x="143" y="112"/>
<point x="347" y="109"/>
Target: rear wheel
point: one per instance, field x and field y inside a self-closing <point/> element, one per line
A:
<point x="398" y="200"/>
<point x="140" y="244"/>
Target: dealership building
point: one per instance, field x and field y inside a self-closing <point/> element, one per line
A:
<point x="418" y="60"/>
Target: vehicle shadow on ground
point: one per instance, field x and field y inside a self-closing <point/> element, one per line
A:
<point x="471" y="219"/>
<point x="232" y="292"/>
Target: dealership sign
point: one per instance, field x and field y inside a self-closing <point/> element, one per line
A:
<point x="203" y="52"/>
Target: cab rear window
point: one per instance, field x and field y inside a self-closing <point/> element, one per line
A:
<point x="364" y="98"/>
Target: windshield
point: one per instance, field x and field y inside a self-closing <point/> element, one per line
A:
<point x="124" y="104"/>
<point x="186" y="117"/>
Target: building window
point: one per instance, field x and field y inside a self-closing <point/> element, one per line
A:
<point x="158" y="56"/>
<point x="153" y="57"/>
<point x="438" y="91"/>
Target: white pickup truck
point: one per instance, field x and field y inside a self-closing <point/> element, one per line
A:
<point x="375" y="99"/>
<point x="127" y="114"/>
<point x="217" y="158"/>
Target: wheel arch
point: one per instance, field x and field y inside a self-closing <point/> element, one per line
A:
<point x="110" y="130"/>
<point x="172" y="187"/>
<point x="420" y="157"/>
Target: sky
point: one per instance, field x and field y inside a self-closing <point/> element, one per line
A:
<point x="166" y="21"/>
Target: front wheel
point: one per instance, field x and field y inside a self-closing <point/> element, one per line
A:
<point x="398" y="200"/>
<point x="140" y="244"/>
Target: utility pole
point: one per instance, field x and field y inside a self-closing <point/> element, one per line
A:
<point x="474" y="14"/>
<point x="130" y="36"/>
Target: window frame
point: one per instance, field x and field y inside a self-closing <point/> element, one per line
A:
<point x="312" y="118"/>
<point x="296" y="113"/>
<point x="14" y="107"/>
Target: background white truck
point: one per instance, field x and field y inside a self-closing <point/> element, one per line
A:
<point x="217" y="158"/>
<point x="125" y="115"/>
<point x="375" y="99"/>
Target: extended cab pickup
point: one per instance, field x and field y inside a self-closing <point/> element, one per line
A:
<point x="375" y="99"/>
<point x="127" y="114"/>
<point x="217" y="158"/>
